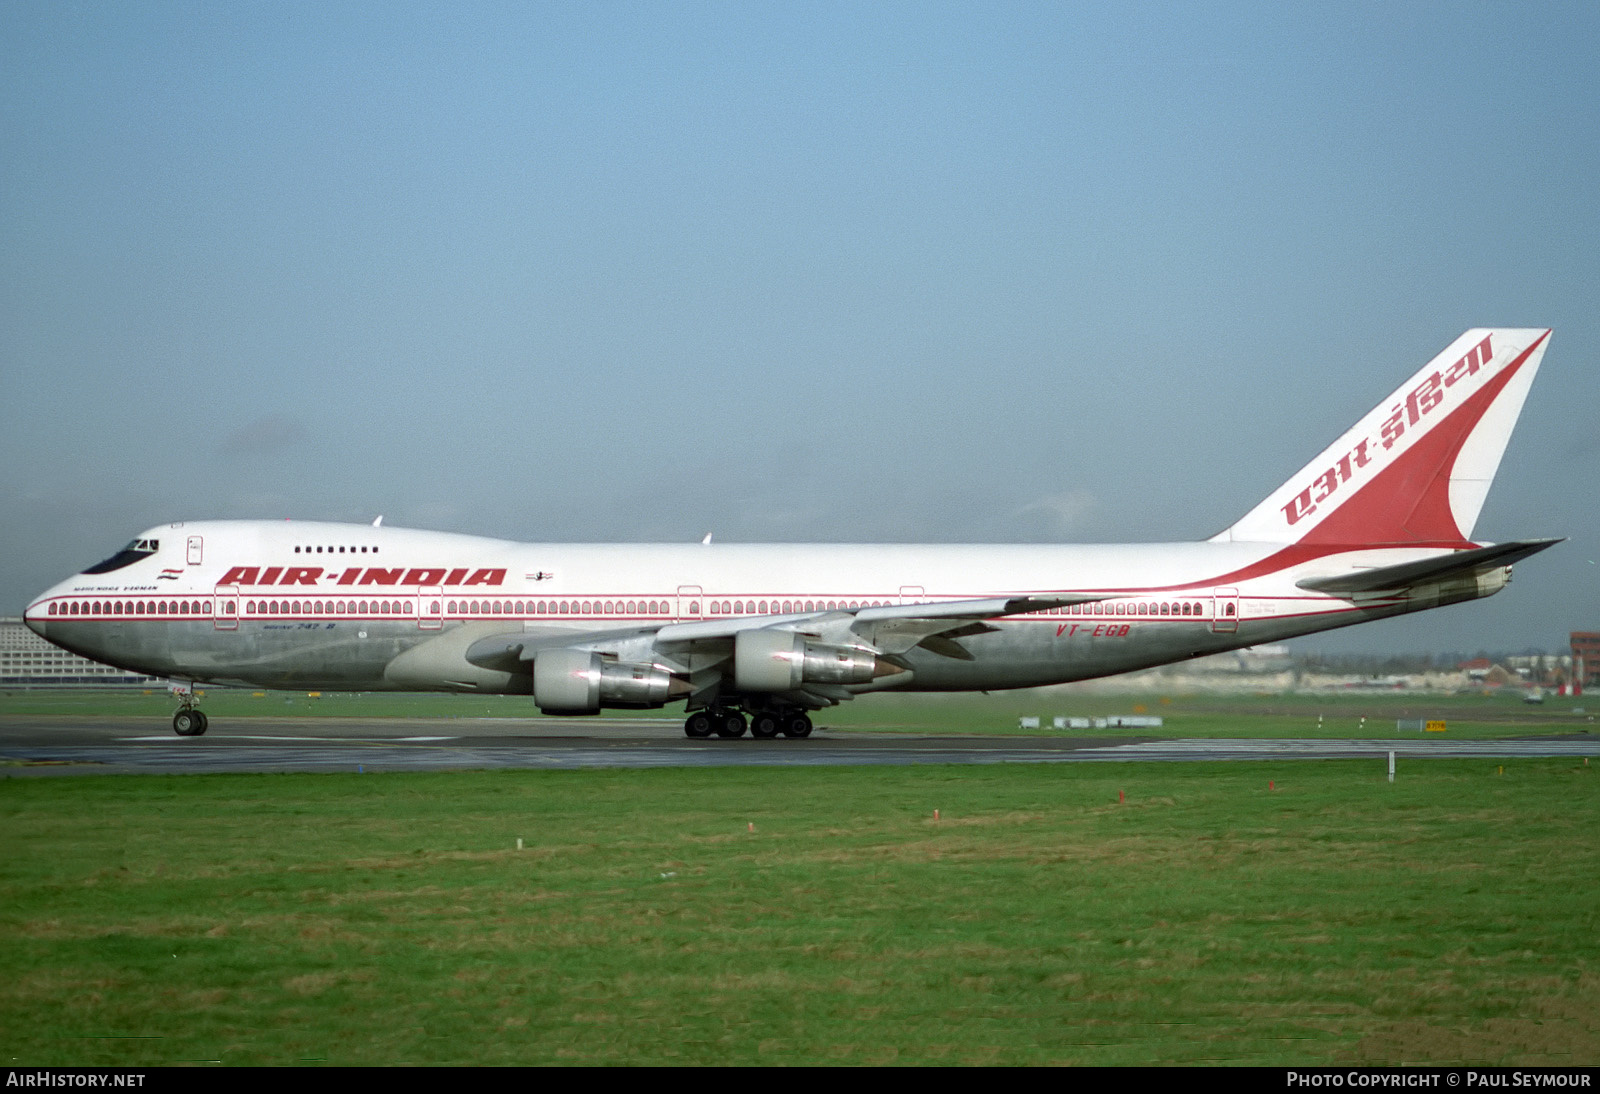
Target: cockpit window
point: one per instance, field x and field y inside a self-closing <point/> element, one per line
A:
<point x="133" y="552"/>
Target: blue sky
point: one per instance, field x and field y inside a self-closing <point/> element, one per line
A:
<point x="807" y="272"/>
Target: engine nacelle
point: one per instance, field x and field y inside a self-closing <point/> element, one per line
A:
<point x="767" y="660"/>
<point x="567" y="681"/>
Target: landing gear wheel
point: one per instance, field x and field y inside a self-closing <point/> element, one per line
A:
<point x="764" y="726"/>
<point x="188" y="723"/>
<point x="797" y="725"/>
<point x="698" y="724"/>
<point x="730" y="724"/>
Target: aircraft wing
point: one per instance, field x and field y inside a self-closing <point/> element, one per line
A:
<point x="865" y="621"/>
<point x="899" y="628"/>
<point x="1428" y="571"/>
<point x="503" y="651"/>
<point x="703" y="649"/>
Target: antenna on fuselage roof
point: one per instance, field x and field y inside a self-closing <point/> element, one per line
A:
<point x="378" y="521"/>
<point x="707" y="541"/>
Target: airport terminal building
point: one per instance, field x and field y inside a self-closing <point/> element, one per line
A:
<point x="28" y="661"/>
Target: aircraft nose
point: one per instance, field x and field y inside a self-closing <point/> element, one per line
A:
<point x="36" y="614"/>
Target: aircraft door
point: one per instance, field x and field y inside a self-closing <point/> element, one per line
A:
<point x="430" y="608"/>
<point x="1224" y="611"/>
<point x="691" y="602"/>
<point x="226" y="617"/>
<point x="912" y="594"/>
<point x="196" y="550"/>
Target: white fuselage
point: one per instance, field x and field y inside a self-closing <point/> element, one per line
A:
<point x="316" y="605"/>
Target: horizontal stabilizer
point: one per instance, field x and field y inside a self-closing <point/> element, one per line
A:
<point x="1428" y="570"/>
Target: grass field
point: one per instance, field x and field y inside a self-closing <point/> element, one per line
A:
<point x="1362" y="714"/>
<point x="1450" y="917"/>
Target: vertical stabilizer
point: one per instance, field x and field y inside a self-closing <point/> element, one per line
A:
<point x="1414" y="471"/>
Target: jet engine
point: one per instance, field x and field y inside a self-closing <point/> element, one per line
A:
<point x="568" y="681"/>
<point x="769" y="660"/>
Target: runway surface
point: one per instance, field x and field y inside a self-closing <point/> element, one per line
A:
<point x="80" y="746"/>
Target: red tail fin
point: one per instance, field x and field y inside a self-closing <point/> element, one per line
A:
<point x="1417" y="468"/>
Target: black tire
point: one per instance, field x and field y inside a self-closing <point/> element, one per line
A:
<point x="698" y="724"/>
<point x="797" y="725"/>
<point x="764" y="726"/>
<point x="730" y="725"/>
<point x="188" y="723"/>
<point x="205" y="723"/>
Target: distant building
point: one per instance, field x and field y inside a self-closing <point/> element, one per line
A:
<point x="28" y="661"/>
<point x="1586" y="658"/>
<point x="1547" y="669"/>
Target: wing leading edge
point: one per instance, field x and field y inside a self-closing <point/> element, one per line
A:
<point x="865" y="624"/>
<point x="824" y="652"/>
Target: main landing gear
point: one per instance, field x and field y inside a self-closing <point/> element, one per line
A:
<point x="763" y="724"/>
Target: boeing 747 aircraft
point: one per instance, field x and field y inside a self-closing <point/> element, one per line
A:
<point x="752" y="637"/>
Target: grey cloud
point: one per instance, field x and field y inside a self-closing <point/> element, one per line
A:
<point x="266" y="436"/>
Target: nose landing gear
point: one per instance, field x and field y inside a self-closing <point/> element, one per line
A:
<point x="190" y="721"/>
